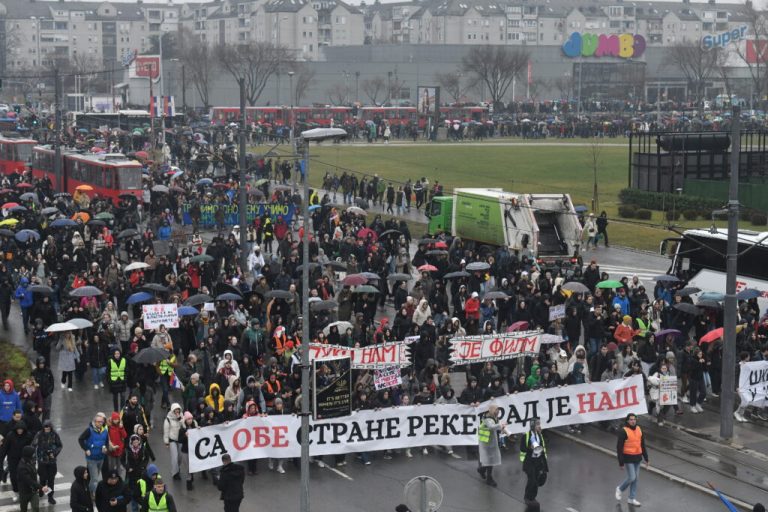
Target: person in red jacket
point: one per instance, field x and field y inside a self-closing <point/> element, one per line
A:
<point x="624" y="332"/>
<point x="472" y="313"/>
<point x="117" y="436"/>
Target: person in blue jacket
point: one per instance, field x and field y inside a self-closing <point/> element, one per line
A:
<point x="622" y="300"/>
<point x="164" y="233"/>
<point x="25" y="298"/>
<point x="9" y="402"/>
<point x="94" y="441"/>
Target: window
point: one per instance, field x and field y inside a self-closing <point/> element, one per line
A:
<point x="46" y="25"/>
<point x="513" y="23"/>
<point x="614" y="24"/>
<point x="129" y="178"/>
<point x="614" y="11"/>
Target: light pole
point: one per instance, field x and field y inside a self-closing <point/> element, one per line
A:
<point x="357" y="89"/>
<point x="389" y="87"/>
<point x="318" y="134"/>
<point x="290" y="78"/>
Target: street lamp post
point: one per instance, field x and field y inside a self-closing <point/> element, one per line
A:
<point x="291" y="92"/>
<point x="389" y="87"/>
<point x="357" y="89"/>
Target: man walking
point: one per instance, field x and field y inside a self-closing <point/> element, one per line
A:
<point x="533" y="455"/>
<point x="630" y="450"/>
<point x="230" y="484"/>
<point x="48" y="445"/>
<point x="29" y="487"/>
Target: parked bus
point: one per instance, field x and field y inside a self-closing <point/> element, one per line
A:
<point x="15" y="154"/>
<point x="110" y="174"/>
<point x="699" y="258"/>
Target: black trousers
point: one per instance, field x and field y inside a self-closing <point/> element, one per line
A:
<point x="232" y="505"/>
<point x="47" y="473"/>
<point x="531" y="486"/>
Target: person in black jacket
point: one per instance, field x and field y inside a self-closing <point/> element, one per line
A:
<point x="44" y="377"/>
<point x="472" y="394"/>
<point x="231" y="479"/>
<point x="79" y="495"/>
<point x="47" y="445"/>
<point x="112" y="494"/>
<point x="12" y="447"/>
<point x="26" y="476"/>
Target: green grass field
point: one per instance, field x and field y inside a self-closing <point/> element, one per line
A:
<point x="532" y="168"/>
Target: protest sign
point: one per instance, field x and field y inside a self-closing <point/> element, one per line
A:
<point x="155" y="315"/>
<point x="413" y="426"/>
<point x="333" y="399"/>
<point x="371" y="357"/>
<point x="668" y="390"/>
<point x="556" y="312"/>
<point x="231" y="212"/>
<point x="494" y="347"/>
<point x="753" y="383"/>
<point x="387" y="378"/>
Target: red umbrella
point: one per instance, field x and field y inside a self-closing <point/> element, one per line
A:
<point x="23" y="185"/>
<point x="441" y="245"/>
<point x="7" y="206"/>
<point x="518" y="326"/>
<point x="354" y="280"/>
<point x="365" y="232"/>
<point x="142" y="155"/>
<point x="427" y="268"/>
<point x="712" y="336"/>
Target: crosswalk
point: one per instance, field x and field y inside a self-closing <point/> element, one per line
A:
<point x="7" y="503"/>
<point x="646" y="275"/>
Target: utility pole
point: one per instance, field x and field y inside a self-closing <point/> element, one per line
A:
<point x="112" y="80"/>
<point x="729" y="324"/>
<point x="357" y="89"/>
<point x="57" y="132"/>
<point x="184" y="90"/>
<point x="243" y="206"/>
<point x="304" y="497"/>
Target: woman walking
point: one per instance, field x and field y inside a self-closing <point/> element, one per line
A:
<point x="488" y="442"/>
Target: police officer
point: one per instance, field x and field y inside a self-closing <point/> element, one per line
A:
<point x="533" y="455"/>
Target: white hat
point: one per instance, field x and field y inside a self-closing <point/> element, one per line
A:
<point x="474" y="295"/>
<point x="563" y="353"/>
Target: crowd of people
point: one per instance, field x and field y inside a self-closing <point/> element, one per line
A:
<point x="236" y="350"/>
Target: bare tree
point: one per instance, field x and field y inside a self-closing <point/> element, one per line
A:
<point x="564" y="86"/>
<point x="496" y="67"/>
<point x="396" y="85"/>
<point x="454" y="86"/>
<point x="304" y="76"/>
<point x="696" y="63"/>
<point x="337" y="93"/>
<point x="755" y="59"/>
<point x="199" y="63"/>
<point x="253" y="62"/>
<point x="373" y="87"/>
<point x="723" y="70"/>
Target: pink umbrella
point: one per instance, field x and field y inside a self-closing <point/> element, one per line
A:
<point x="518" y="326"/>
<point x="354" y="280"/>
<point x="427" y="268"/>
<point x="365" y="232"/>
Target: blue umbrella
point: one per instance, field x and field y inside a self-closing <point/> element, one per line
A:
<point x="18" y="208"/>
<point x="715" y="296"/>
<point x="229" y="296"/>
<point x="26" y="234"/>
<point x="63" y="223"/>
<point x="139" y="297"/>
<point x="205" y="181"/>
<point x="749" y="293"/>
<point x="187" y="311"/>
<point x="314" y="207"/>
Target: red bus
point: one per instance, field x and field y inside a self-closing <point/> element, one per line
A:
<point x="392" y="115"/>
<point x="110" y="174"/>
<point x="15" y="154"/>
<point x="222" y="116"/>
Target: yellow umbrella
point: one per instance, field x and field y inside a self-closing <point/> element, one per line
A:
<point x="9" y="222"/>
<point x="81" y="215"/>
<point x="84" y="188"/>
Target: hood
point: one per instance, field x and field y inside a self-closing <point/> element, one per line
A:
<point x="232" y="378"/>
<point x="152" y="470"/>
<point x="27" y="452"/>
<point x="24" y="281"/>
<point x="80" y="474"/>
<point x="212" y="387"/>
<point x="423" y="302"/>
<point x="9" y="381"/>
<point x="174" y="406"/>
<point x="250" y="379"/>
<point x="224" y="356"/>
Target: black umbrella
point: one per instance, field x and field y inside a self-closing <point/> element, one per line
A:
<point x="229" y="296"/>
<point x="399" y="277"/>
<point x="709" y="304"/>
<point x="687" y="308"/>
<point x="96" y="222"/>
<point x="496" y="294"/>
<point x="6" y="232"/>
<point x="86" y="291"/>
<point x="690" y="290"/>
<point x="312" y="267"/>
<point x="390" y="232"/>
<point x="127" y="233"/>
<point x="437" y="252"/>
<point x="155" y="287"/>
<point x="666" y="278"/>
<point x="323" y="305"/>
<point x="196" y="300"/>
<point x="39" y="288"/>
<point x="151" y="355"/>
<point x="222" y="288"/>
<point x="426" y="241"/>
<point x="278" y="294"/>
<point x="455" y="275"/>
<point x="337" y="265"/>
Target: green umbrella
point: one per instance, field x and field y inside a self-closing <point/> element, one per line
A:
<point x="609" y="284"/>
<point x="104" y="216"/>
<point x="201" y="258"/>
<point x="261" y="182"/>
<point x="365" y="289"/>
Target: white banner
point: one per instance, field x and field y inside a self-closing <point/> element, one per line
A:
<point x="258" y="437"/>
<point x="753" y="383"/>
<point x="494" y="347"/>
<point x="378" y="356"/>
<point x="155" y="315"/>
<point x="668" y="390"/>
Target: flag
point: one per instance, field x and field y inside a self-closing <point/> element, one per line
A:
<point x="175" y="382"/>
<point x="162" y="106"/>
<point x="730" y="506"/>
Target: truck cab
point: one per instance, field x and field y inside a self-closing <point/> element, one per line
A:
<point x="440" y="213"/>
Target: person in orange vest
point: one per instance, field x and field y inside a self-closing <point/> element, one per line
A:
<point x="279" y="339"/>
<point x="630" y="449"/>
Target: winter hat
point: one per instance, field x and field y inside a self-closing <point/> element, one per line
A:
<point x="670" y="355"/>
<point x="27" y="452"/>
<point x="152" y="470"/>
<point x="188" y="415"/>
<point x="115" y="416"/>
<point x="758" y="508"/>
<point x="627" y="318"/>
<point x="474" y="295"/>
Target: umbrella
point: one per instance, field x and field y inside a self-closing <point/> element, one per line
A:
<point x="399" y="277"/>
<point x="17" y="209"/>
<point x="29" y="196"/>
<point x="323" y="305"/>
<point x="518" y="326"/>
<point x="136" y="265"/>
<point x="666" y="278"/>
<point x="86" y="291"/>
<point x="712" y="335"/>
<point x="354" y="280"/>
<point x="187" y="311"/>
<point x="356" y="210"/>
<point x="39" y="288"/>
<point x="496" y="294"/>
<point x="478" y="265"/>
<point x="713" y="296"/>
<point x="337" y="265"/>
<point x="389" y="232"/>
<point x="127" y="233"/>
<point x="666" y="332"/>
<point x="690" y="290"/>
<point x="50" y="210"/>
<point x="712" y="304"/>
<point x="196" y="300"/>
<point x="155" y="287"/>
<point x="312" y="266"/>
<point x="142" y="155"/>
<point x="26" y="235"/>
<point x="6" y="232"/>
<point x="341" y="325"/>
<point x="177" y="189"/>
<point x="81" y="323"/>
<point x="687" y="308"/>
<point x="226" y="288"/>
<point x="365" y="289"/>
<point x="104" y="216"/>
<point x="437" y="252"/>
<point x="201" y="258"/>
<point x="160" y="188"/>
<point x="610" y="283"/>
<point x="63" y="223"/>
<point x="151" y="355"/>
<point x="314" y="207"/>
<point x="278" y="294"/>
<point x="454" y="275"/>
<point x="576" y="287"/>
<point x="84" y="188"/>
<point x="23" y="185"/>
<point x="260" y="182"/>
<point x="9" y="222"/>
<point x="441" y="245"/>
<point x="9" y="205"/>
<point x="204" y="181"/>
<point x="61" y="327"/>
<point x="366" y="232"/>
<point x="749" y="293"/>
<point x="229" y="296"/>
<point x="139" y="297"/>
<point x="97" y="222"/>
<point x="427" y="268"/>
<point x="370" y="276"/>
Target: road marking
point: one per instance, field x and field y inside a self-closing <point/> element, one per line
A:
<point x="330" y="468"/>
<point x="4" y="495"/>
<point x="571" y="509"/>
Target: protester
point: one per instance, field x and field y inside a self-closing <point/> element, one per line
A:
<point x="79" y="492"/>
<point x="631" y="451"/>
<point x="47" y="445"/>
<point x="28" y="485"/>
<point x="230" y="484"/>
<point x="488" y="443"/>
<point x="533" y="455"/>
